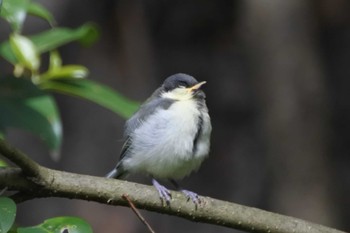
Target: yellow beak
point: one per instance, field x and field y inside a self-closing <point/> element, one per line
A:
<point x="196" y="87"/>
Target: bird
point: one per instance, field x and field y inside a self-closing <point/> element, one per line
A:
<point x="168" y="137"/>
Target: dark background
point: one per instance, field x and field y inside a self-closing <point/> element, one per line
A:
<point x="278" y="76"/>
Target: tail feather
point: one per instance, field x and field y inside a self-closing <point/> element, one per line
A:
<point x="116" y="173"/>
<point x="112" y="174"/>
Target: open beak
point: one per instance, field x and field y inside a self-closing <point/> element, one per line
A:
<point x="196" y="87"/>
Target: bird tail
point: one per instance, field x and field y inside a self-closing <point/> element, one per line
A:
<point x="112" y="174"/>
<point x="116" y="173"/>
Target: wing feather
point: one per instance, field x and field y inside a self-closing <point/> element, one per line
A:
<point x="146" y="110"/>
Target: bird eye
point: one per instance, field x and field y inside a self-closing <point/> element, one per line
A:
<point x="183" y="84"/>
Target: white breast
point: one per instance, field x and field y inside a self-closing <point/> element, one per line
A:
<point x="163" y="145"/>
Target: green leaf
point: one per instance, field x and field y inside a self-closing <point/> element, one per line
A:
<point x="3" y="164"/>
<point x="23" y="105"/>
<point x="6" y="52"/>
<point x="68" y="71"/>
<point x="59" y="225"/>
<point x="55" y="60"/>
<point x="94" y="92"/>
<point x="7" y="213"/>
<point x="56" y="37"/>
<point x="41" y="12"/>
<point x="25" y="52"/>
<point x="14" y="12"/>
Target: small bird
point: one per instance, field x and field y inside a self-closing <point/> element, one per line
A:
<point x="169" y="136"/>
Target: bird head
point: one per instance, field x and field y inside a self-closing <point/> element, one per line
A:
<point x="182" y="87"/>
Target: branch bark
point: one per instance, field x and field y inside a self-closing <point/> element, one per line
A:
<point x="53" y="183"/>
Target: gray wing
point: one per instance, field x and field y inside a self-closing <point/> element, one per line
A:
<point x="150" y="106"/>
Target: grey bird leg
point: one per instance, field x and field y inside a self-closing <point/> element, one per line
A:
<point x="189" y="194"/>
<point x="164" y="193"/>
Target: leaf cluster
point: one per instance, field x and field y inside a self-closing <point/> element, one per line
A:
<point x="53" y="225"/>
<point x="26" y="100"/>
<point x="26" y="94"/>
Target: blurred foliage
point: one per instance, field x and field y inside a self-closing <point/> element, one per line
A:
<point x="58" y="225"/>
<point x="53" y="225"/>
<point x="23" y="105"/>
<point x="7" y="213"/>
<point x="26" y="101"/>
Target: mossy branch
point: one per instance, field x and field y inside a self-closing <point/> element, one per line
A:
<point x="34" y="181"/>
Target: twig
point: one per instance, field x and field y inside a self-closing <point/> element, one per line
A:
<point x="138" y="214"/>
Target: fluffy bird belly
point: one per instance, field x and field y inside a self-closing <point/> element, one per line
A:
<point x="163" y="145"/>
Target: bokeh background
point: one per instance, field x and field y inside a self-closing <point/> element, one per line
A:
<point x="278" y="76"/>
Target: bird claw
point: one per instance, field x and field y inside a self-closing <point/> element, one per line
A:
<point x="191" y="195"/>
<point x="164" y="193"/>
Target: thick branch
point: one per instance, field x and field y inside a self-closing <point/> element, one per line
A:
<point x="109" y="191"/>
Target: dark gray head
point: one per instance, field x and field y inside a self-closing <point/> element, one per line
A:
<point x="182" y="87"/>
<point x="177" y="80"/>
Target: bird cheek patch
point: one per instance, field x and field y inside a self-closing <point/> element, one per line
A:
<point x="178" y="94"/>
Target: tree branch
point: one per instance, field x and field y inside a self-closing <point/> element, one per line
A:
<point x="29" y="167"/>
<point x="109" y="191"/>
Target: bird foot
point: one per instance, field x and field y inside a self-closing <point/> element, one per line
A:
<point x="164" y="193"/>
<point x="191" y="195"/>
